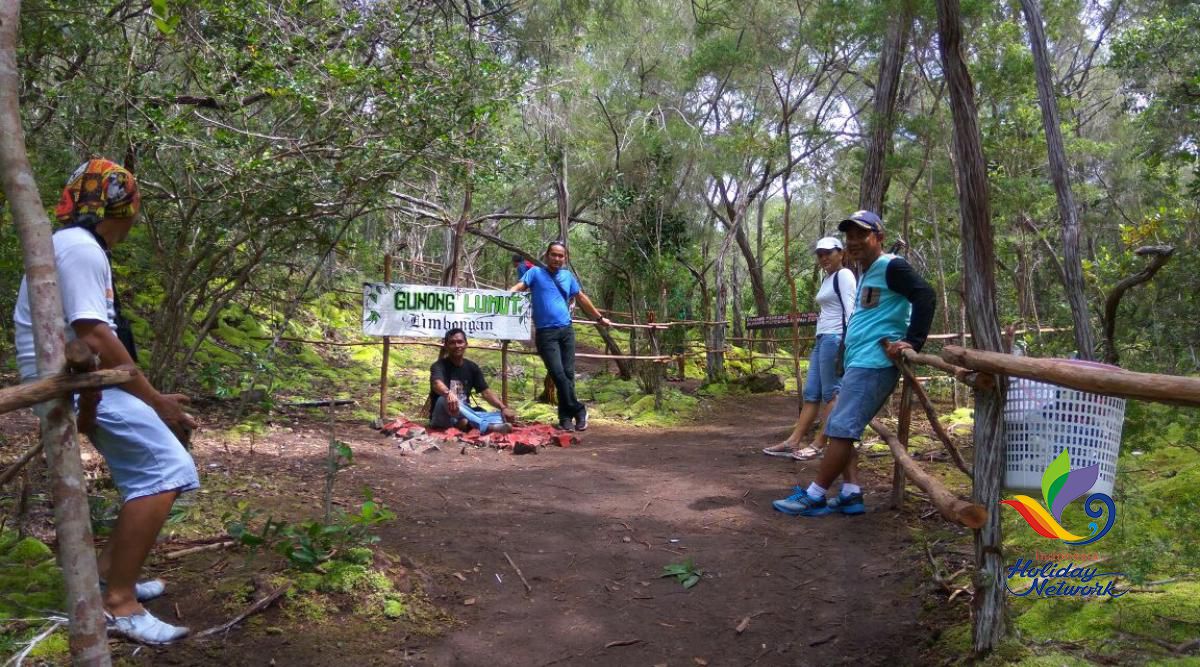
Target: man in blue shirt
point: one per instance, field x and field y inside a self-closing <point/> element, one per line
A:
<point x="893" y="302"/>
<point x="552" y="289"/>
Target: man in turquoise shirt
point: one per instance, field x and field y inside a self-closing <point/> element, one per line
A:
<point x="893" y="302"/>
<point x="552" y="289"/>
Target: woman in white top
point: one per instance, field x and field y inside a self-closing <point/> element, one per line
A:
<point x="823" y="380"/>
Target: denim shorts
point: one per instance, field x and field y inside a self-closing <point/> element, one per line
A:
<point x="143" y="455"/>
<point x="822" y="382"/>
<point x="863" y="392"/>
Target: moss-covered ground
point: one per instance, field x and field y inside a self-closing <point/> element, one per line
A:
<point x="1154" y="544"/>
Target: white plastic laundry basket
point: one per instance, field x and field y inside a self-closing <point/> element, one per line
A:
<point x="1042" y="419"/>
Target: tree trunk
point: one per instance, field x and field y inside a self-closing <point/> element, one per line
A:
<point x="715" y="359"/>
<point x="87" y="635"/>
<point x="979" y="282"/>
<point x="762" y="305"/>
<point x="1072" y="266"/>
<point x="735" y="296"/>
<point x="875" y="179"/>
<point x="458" y="233"/>
<point x="562" y="195"/>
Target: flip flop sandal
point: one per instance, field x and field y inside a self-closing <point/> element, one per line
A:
<point x="806" y="454"/>
<point x="784" y="453"/>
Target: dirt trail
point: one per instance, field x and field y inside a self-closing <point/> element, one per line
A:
<point x="592" y="526"/>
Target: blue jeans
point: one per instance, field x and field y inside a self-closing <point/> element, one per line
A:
<point x="822" y="382"/>
<point x="557" y="350"/>
<point x="863" y="392"/>
<point x="441" y="417"/>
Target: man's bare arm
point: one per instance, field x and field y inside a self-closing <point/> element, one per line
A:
<point x="100" y="337"/>
<point x="586" y="303"/>
<point x="491" y="397"/>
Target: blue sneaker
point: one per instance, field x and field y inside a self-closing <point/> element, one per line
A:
<point x="801" y="504"/>
<point x="848" y="504"/>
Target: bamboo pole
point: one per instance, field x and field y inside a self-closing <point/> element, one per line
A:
<point x="1172" y="389"/>
<point x="948" y="505"/>
<point x="87" y="636"/>
<point x="387" y="348"/>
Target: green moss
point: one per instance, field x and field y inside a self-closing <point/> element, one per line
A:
<point x="960" y="417"/>
<point x="956" y="640"/>
<point x="360" y="555"/>
<point x="312" y="607"/>
<point x="395" y="608"/>
<point x="29" y="577"/>
<point x="640" y="406"/>
<point x="29" y="551"/>
<point x="308" y="581"/>
<point x="1138" y="614"/>
<point x="1187" y="661"/>
<point x="53" y="648"/>
<point x="342" y="577"/>
<point x="1053" y="659"/>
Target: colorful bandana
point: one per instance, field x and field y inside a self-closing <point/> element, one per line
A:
<point x="100" y="187"/>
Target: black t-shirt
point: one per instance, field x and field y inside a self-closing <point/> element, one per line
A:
<point x="461" y="380"/>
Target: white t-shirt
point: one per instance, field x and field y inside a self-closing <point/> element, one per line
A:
<point x="85" y="281"/>
<point x="830" y="321"/>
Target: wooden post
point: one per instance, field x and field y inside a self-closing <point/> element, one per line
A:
<point x="904" y="427"/>
<point x="750" y="345"/>
<point x="86" y="634"/>
<point x="979" y="293"/>
<point x="387" y="349"/>
<point x="504" y="371"/>
<point x="658" y="368"/>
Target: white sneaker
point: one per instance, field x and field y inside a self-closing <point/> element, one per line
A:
<point x="144" y="628"/>
<point x="143" y="590"/>
<point x="149" y="589"/>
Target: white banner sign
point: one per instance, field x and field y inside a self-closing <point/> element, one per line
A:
<point x="424" y="311"/>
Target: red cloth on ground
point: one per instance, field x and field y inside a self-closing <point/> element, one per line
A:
<point x="535" y="435"/>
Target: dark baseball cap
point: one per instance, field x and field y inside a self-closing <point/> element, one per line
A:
<point x="864" y="219"/>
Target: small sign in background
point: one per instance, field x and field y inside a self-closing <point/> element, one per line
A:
<point x="781" y="321"/>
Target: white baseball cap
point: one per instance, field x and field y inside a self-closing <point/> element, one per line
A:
<point x="829" y="243"/>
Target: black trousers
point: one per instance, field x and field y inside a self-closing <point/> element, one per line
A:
<point x="556" y="347"/>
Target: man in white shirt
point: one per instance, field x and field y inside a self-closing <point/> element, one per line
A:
<point x="137" y="428"/>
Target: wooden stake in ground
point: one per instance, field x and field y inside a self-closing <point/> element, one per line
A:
<point x="931" y="413"/>
<point x="904" y="427"/>
<point x="504" y="372"/>
<point x="387" y="347"/>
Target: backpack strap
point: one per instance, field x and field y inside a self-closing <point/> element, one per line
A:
<point x="837" y="289"/>
<point x="562" y="292"/>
